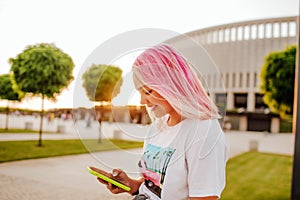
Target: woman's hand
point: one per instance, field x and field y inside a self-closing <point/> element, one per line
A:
<point x="120" y="176"/>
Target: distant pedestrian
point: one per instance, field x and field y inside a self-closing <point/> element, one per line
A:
<point x="88" y="121"/>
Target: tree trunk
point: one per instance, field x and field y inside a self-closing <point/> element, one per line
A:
<point x="41" y="123"/>
<point x="100" y="129"/>
<point x="7" y="114"/>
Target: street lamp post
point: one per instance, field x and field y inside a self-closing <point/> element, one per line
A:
<point x="295" y="192"/>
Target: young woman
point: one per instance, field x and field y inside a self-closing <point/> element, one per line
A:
<point x="185" y="152"/>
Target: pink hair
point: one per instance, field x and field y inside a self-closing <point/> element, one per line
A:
<point x="165" y="70"/>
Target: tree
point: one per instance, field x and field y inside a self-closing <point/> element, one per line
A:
<point x="278" y="77"/>
<point x="42" y="70"/>
<point x="7" y="92"/>
<point x="102" y="83"/>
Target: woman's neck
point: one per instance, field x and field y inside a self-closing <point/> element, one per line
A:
<point x="174" y="118"/>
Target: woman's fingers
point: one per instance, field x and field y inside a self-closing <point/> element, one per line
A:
<point x="117" y="174"/>
<point x="101" y="171"/>
<point x="102" y="181"/>
<point x="114" y="189"/>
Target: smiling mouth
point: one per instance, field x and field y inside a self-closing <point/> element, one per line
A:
<point x="153" y="108"/>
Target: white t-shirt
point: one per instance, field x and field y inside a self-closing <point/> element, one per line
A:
<point x="185" y="160"/>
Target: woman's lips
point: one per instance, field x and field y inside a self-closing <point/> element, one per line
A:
<point x="152" y="108"/>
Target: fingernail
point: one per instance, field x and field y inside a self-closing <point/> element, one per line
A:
<point x="114" y="173"/>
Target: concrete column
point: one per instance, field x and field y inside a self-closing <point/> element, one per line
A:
<point x="275" y="125"/>
<point x="127" y="117"/>
<point x="117" y="134"/>
<point x="111" y="118"/>
<point x="253" y="145"/>
<point x="243" y="123"/>
<point x="212" y="96"/>
<point x="230" y="101"/>
<point x="61" y="129"/>
<point x="28" y="125"/>
<point x="251" y="101"/>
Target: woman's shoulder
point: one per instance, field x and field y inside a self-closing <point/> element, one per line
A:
<point x="202" y="124"/>
<point x="197" y="128"/>
<point x="204" y="135"/>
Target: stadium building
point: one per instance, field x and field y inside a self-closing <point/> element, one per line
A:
<point x="237" y="51"/>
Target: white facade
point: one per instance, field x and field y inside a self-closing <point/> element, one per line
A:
<point x="238" y="51"/>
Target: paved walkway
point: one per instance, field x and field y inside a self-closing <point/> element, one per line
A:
<point x="66" y="178"/>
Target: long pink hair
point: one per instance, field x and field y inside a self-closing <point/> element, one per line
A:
<point x="165" y="70"/>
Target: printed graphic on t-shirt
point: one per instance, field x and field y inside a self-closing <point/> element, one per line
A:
<point x="153" y="166"/>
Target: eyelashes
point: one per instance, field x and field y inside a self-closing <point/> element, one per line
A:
<point x="148" y="92"/>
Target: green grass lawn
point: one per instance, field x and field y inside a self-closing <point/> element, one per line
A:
<point x="16" y="131"/>
<point x="250" y="176"/>
<point x="258" y="176"/>
<point x="20" y="150"/>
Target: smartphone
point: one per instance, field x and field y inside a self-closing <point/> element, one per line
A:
<point x="107" y="179"/>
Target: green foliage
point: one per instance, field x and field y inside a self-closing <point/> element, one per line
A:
<point x="278" y="77"/>
<point x="42" y="69"/>
<point x="21" y="110"/>
<point x="286" y="125"/>
<point x="8" y="92"/>
<point x="6" y="89"/>
<point x="102" y="82"/>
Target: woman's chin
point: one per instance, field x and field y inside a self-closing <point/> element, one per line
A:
<point x="159" y="114"/>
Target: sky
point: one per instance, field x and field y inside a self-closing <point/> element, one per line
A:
<point x="81" y="27"/>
